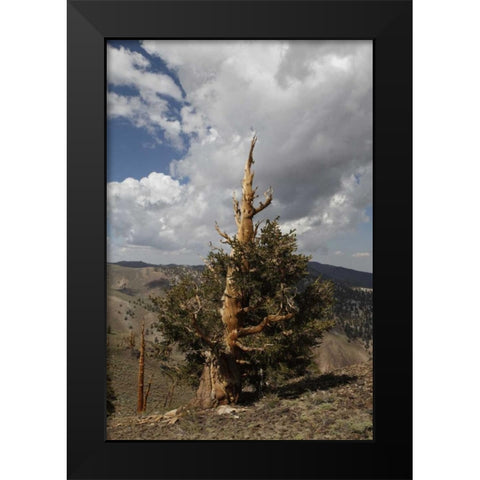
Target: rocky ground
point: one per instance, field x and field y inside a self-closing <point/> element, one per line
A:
<point x="333" y="406"/>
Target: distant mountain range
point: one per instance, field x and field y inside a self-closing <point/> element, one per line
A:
<point x="347" y="276"/>
<point x="134" y="264"/>
<point x="349" y="342"/>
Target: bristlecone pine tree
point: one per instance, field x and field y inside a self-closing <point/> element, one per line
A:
<point x="247" y="316"/>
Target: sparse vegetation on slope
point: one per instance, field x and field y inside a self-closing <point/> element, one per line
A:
<point x="354" y="313"/>
<point x="334" y="406"/>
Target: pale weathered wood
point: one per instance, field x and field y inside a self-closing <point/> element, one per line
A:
<point x="141" y="371"/>
<point x="220" y="382"/>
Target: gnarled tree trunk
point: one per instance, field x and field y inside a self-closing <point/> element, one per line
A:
<point x="221" y="379"/>
<point x="221" y="382"/>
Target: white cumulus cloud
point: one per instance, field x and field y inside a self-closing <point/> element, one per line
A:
<point x="310" y="103"/>
<point x="149" y="108"/>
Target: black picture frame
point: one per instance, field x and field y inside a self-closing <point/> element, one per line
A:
<point x="388" y="23"/>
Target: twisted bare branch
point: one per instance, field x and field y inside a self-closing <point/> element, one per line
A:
<point x="250" y="160"/>
<point x="223" y="234"/>
<point x="236" y="210"/>
<point x="248" y="349"/>
<point x="243" y="332"/>
<point x="268" y="200"/>
<point x="255" y="228"/>
<point x="196" y="326"/>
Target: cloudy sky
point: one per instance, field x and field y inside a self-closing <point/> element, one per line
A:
<point x="180" y="118"/>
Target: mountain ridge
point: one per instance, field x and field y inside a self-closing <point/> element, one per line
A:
<point x="347" y="276"/>
<point x="349" y="342"/>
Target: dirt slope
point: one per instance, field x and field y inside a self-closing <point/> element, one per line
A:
<point x="336" y="351"/>
<point x="336" y="406"/>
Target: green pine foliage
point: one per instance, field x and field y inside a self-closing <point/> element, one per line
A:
<point x="267" y="274"/>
